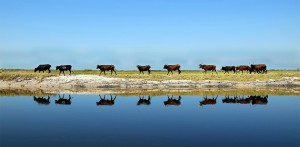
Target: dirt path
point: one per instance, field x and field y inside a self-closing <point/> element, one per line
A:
<point x="93" y="81"/>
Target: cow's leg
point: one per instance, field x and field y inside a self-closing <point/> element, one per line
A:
<point x="115" y="72"/>
<point x="49" y="70"/>
<point x="171" y="72"/>
<point x="168" y="72"/>
<point x="217" y="73"/>
<point x="148" y="71"/>
<point x="179" y="71"/>
<point x="143" y="72"/>
<point x="104" y="72"/>
<point x="63" y="72"/>
<point x="70" y="71"/>
<point x="111" y="71"/>
<point x="59" y="73"/>
<point x="140" y="73"/>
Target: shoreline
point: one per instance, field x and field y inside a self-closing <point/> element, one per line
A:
<point x="58" y="83"/>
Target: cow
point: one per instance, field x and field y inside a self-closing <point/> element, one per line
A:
<point x="106" y="102"/>
<point x="208" y="101"/>
<point x="144" y="68"/>
<point x="208" y="67"/>
<point x="104" y="68"/>
<point x="261" y="100"/>
<point x="63" y="100"/>
<point x="230" y="100"/>
<point x="244" y="100"/>
<point x="63" y="68"/>
<point x="243" y="68"/>
<point x="228" y="68"/>
<point x="42" y="100"/>
<point x="172" y="68"/>
<point x="173" y="101"/>
<point x="143" y="101"/>
<point x="259" y="68"/>
<point x="43" y="67"/>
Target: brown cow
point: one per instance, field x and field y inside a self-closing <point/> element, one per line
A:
<point x="244" y="100"/>
<point x="106" y="102"/>
<point x="261" y="100"/>
<point x="243" y="68"/>
<point x="144" y="68"/>
<point x="172" y="68"/>
<point x="208" y="101"/>
<point x="208" y="67"/>
<point x="172" y="101"/>
<point x="64" y="101"/>
<point x="143" y="101"/>
<point x="259" y="68"/>
<point x="104" y="68"/>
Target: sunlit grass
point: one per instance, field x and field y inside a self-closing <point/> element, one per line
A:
<point x="194" y="75"/>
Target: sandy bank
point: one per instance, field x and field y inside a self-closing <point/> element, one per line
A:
<point x="93" y="81"/>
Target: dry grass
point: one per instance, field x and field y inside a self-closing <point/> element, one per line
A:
<point x="195" y="75"/>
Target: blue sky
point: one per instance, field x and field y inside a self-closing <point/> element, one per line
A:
<point x="156" y="32"/>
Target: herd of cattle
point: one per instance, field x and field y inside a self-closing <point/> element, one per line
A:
<point x="253" y="68"/>
<point x="253" y="99"/>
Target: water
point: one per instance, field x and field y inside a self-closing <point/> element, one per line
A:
<point x="25" y="122"/>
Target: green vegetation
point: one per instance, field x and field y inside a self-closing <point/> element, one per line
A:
<point x="195" y="75"/>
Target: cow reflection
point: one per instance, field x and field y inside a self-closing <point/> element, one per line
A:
<point x="173" y="101"/>
<point x="230" y="100"/>
<point x="106" y="102"/>
<point x="244" y="100"/>
<point x="208" y="101"/>
<point x="42" y="100"/>
<point x="63" y="100"/>
<point x="262" y="100"/>
<point x="143" y="101"/>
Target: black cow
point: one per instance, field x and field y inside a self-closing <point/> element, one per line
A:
<point x="244" y="100"/>
<point x="172" y="101"/>
<point x="43" y="67"/>
<point x="63" y="100"/>
<point x="144" y="68"/>
<point x="228" y="68"/>
<point x="107" y="102"/>
<point x="172" y="68"/>
<point x="208" y="67"/>
<point x="143" y="101"/>
<point x="230" y="100"/>
<point x="208" y="101"/>
<point x="63" y="68"/>
<point x="104" y="68"/>
<point x="259" y="68"/>
<point x="42" y="100"/>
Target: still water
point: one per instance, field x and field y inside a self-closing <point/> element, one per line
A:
<point x="91" y="120"/>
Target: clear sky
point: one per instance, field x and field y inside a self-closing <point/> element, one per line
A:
<point x="85" y="33"/>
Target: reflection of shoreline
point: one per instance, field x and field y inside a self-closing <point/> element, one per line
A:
<point x="152" y="92"/>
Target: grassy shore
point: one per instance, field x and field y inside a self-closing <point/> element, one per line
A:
<point x="195" y="75"/>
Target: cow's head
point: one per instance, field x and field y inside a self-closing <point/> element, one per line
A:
<point x="35" y="69"/>
<point x="138" y="66"/>
<point x="98" y="67"/>
<point x="166" y="66"/>
<point x="223" y="68"/>
<point x="57" y="67"/>
<point x="200" y="65"/>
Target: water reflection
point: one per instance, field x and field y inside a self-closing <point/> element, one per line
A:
<point x="106" y="102"/>
<point x="252" y="99"/>
<point x="42" y="100"/>
<point x="208" y="101"/>
<point x="144" y="101"/>
<point x="173" y="101"/>
<point x="63" y="100"/>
